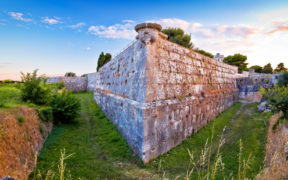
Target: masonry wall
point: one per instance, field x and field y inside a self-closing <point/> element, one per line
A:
<point x="158" y="93"/>
<point x="120" y="92"/>
<point x="248" y="86"/>
<point x="76" y="84"/>
<point x="186" y="90"/>
<point x="91" y="84"/>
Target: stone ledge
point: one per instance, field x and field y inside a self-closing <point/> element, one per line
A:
<point x="158" y="27"/>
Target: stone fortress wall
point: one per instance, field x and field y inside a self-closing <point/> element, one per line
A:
<point x="76" y="84"/>
<point x="250" y="85"/>
<point x="158" y="93"/>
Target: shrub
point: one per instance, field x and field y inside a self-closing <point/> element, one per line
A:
<point x="277" y="98"/>
<point x="60" y="85"/>
<point x="178" y="36"/>
<point x="283" y="79"/>
<point x="65" y="107"/>
<point x="34" y="89"/>
<point x="2" y="105"/>
<point x="41" y="129"/>
<point x="45" y="114"/>
<point x="20" y="119"/>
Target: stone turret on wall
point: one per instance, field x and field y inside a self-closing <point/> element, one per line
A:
<point x="158" y="93"/>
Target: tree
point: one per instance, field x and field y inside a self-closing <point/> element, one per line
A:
<point x="238" y="60"/>
<point x="280" y="68"/>
<point x="267" y="69"/>
<point x="205" y="53"/>
<point x="178" y="36"/>
<point x="70" y="74"/>
<point x="103" y="59"/>
<point x="258" y="69"/>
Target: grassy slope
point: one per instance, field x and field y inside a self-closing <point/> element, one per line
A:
<point x="9" y="95"/>
<point x="101" y="152"/>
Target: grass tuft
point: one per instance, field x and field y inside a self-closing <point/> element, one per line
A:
<point x="20" y="119"/>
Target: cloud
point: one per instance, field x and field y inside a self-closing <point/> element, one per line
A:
<point x="199" y="30"/>
<point x="78" y="25"/>
<point x="279" y="26"/>
<point x="128" y="21"/>
<point x="19" y="16"/>
<point x="5" y="64"/>
<point x="117" y="31"/>
<point x="54" y="20"/>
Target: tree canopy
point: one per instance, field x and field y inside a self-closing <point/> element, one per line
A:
<point x="280" y="68"/>
<point x="257" y="68"/>
<point x="267" y="69"/>
<point x="178" y="36"/>
<point x="70" y="74"/>
<point x="238" y="60"/>
<point x="103" y="59"/>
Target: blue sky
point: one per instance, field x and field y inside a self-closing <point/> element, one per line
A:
<point x="57" y="36"/>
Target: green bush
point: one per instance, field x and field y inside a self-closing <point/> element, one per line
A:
<point x="45" y="114"/>
<point x="60" y="85"/>
<point x="34" y="89"/>
<point x="277" y="98"/>
<point x="283" y="79"/>
<point x="2" y="105"/>
<point x="178" y="36"/>
<point x="20" y="119"/>
<point x="65" y="107"/>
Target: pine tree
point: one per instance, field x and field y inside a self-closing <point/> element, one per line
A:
<point x="103" y="59"/>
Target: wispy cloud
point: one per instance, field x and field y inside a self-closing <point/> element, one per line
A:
<point x="19" y="16"/>
<point x="5" y="64"/>
<point x="117" y="31"/>
<point x="78" y="25"/>
<point x="54" y="20"/>
<point x="199" y="30"/>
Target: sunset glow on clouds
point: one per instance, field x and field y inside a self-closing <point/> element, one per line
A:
<point x="56" y="39"/>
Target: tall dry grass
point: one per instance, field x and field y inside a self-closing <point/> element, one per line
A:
<point x="208" y="168"/>
<point x="50" y="174"/>
<point x="276" y="165"/>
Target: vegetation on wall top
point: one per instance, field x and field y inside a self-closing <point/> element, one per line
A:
<point x="178" y="36"/>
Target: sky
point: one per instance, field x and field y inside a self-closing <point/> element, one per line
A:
<point x="58" y="36"/>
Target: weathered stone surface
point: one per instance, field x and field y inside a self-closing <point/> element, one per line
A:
<point x="76" y="84"/>
<point x="249" y="85"/>
<point x="158" y="93"/>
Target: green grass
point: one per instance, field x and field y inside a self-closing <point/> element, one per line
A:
<point x="94" y="142"/>
<point x="98" y="148"/>
<point x="9" y="95"/>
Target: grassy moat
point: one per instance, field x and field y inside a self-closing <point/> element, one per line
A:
<point x="100" y="152"/>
